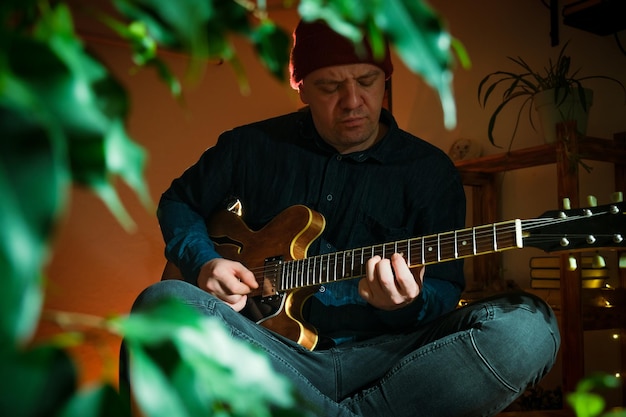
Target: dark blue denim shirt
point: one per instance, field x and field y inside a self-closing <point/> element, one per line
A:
<point x="402" y="187"/>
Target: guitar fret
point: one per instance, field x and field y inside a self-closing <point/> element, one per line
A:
<point x="474" y="240"/>
<point x="407" y="249"/>
<point x="306" y="266"/>
<point x="463" y="239"/>
<point x="301" y="273"/>
<point x="327" y="267"/>
<point x="296" y="274"/>
<point x="352" y="263"/>
<point x="438" y="248"/>
<point x="318" y="269"/>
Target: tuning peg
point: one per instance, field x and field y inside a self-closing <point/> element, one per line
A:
<point x="571" y="263"/>
<point x="592" y="201"/>
<point x="622" y="261"/>
<point x="598" y="262"/>
<point x="617" y="197"/>
<point x="566" y="204"/>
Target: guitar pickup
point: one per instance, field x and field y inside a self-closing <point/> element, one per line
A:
<point x="272" y="272"/>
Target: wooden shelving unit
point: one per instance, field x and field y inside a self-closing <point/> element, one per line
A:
<point x="480" y="174"/>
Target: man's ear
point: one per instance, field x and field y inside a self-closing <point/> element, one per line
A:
<point x="302" y="94"/>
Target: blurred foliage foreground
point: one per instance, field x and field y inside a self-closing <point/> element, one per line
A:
<point x="62" y="123"/>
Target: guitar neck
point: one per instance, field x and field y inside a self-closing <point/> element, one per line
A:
<point x="425" y="250"/>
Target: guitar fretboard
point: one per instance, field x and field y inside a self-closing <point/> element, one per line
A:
<point x="426" y="250"/>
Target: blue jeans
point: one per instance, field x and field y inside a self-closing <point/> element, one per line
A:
<point x="473" y="361"/>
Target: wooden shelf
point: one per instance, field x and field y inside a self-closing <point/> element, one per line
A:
<point x="589" y="148"/>
<point x="480" y="174"/>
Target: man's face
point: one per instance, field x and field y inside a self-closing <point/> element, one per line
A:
<point x="345" y="103"/>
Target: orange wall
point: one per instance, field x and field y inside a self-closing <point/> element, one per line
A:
<point x="98" y="268"/>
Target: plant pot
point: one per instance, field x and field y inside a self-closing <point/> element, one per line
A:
<point x="571" y="108"/>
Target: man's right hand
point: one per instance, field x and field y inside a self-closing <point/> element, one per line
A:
<point x="228" y="280"/>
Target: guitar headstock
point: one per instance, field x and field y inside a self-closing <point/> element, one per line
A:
<point x="578" y="229"/>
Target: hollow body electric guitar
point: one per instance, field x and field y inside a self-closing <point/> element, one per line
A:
<point x="277" y="253"/>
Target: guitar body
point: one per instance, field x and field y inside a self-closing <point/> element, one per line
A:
<point x="287" y="237"/>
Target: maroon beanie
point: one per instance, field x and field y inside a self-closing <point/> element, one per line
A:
<point x="316" y="45"/>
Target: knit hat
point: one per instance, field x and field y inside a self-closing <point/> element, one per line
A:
<point x="316" y="45"/>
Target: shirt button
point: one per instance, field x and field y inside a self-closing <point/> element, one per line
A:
<point x="339" y="157"/>
<point x="322" y="288"/>
<point x="329" y="246"/>
<point x="329" y="197"/>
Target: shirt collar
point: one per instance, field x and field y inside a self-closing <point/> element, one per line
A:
<point x="381" y="151"/>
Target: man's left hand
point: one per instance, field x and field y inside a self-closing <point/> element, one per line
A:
<point x="389" y="284"/>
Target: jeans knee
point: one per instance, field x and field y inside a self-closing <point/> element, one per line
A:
<point x="521" y="341"/>
<point x="161" y="291"/>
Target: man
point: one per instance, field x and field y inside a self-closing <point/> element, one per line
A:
<point x="391" y="343"/>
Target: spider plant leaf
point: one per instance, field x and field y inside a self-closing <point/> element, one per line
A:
<point x="495" y="114"/>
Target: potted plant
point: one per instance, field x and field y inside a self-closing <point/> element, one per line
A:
<point x="557" y="84"/>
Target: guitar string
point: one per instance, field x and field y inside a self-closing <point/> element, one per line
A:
<point x="444" y="239"/>
<point x="448" y="239"/>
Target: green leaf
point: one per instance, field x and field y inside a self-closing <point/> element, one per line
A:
<point x="145" y="50"/>
<point x="204" y="365"/>
<point x="35" y="382"/>
<point x="34" y="183"/>
<point x="597" y="381"/>
<point x="586" y="404"/>
<point x="412" y="27"/>
<point x="173" y="24"/>
<point x="272" y="45"/>
<point x="335" y="15"/>
<point x="418" y="35"/>
<point x="96" y="401"/>
<point x="154" y="394"/>
<point x="86" y="104"/>
<point x="157" y="325"/>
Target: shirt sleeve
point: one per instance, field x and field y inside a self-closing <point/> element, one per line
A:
<point x="189" y="201"/>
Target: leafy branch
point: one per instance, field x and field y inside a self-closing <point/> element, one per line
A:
<point x="63" y="122"/>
